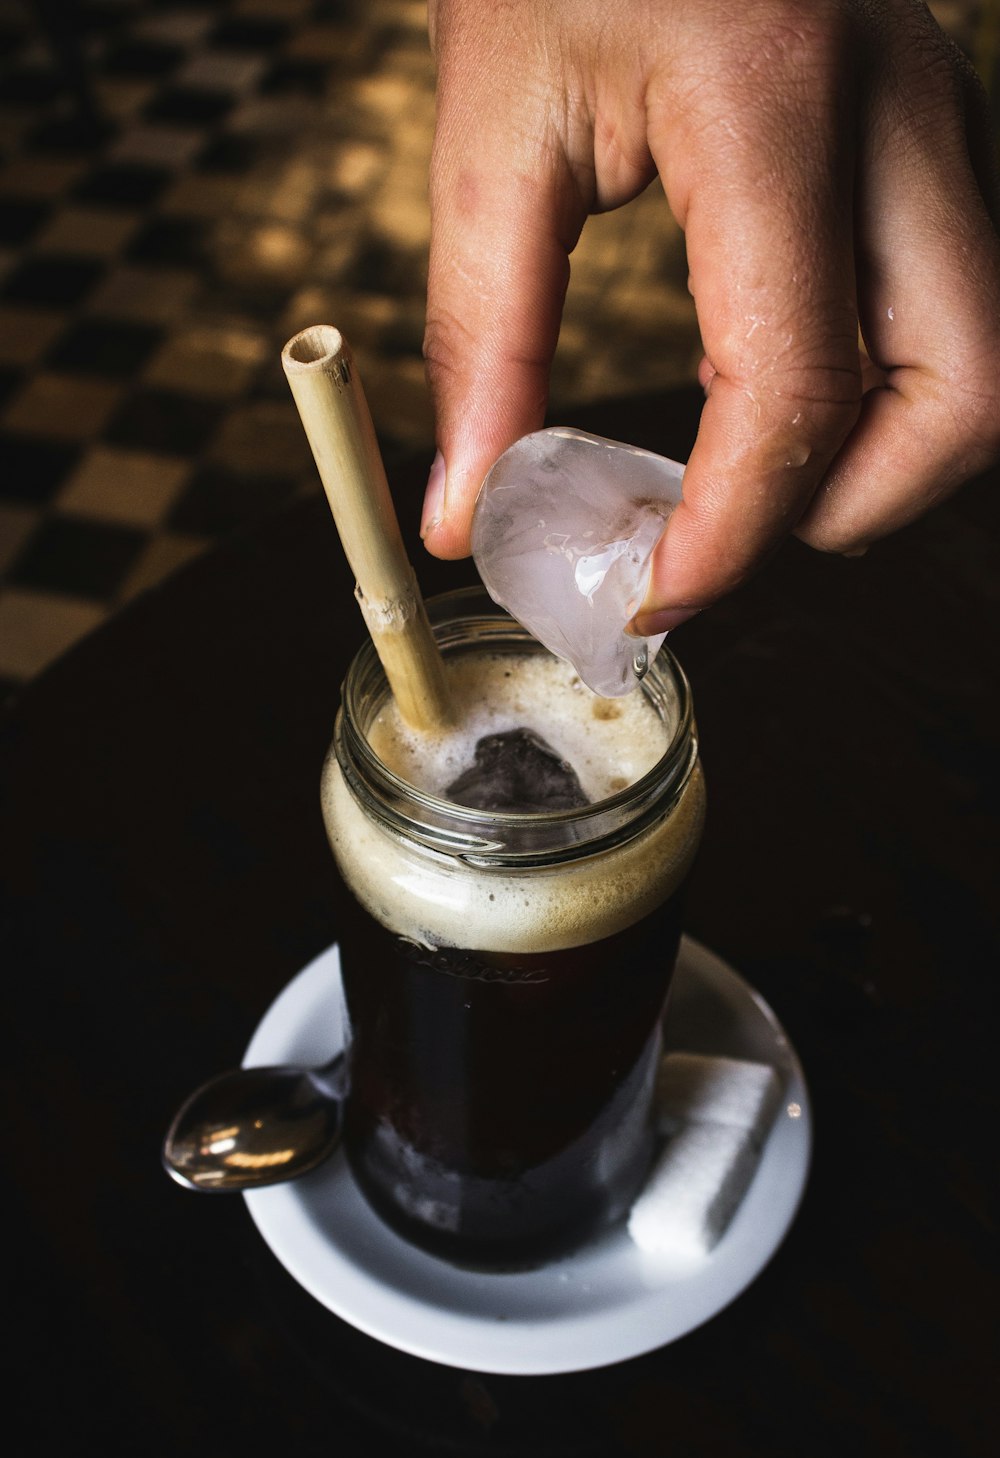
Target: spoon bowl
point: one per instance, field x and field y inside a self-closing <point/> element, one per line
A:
<point x="256" y="1126"/>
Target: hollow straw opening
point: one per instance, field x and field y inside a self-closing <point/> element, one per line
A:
<point x="313" y="346"/>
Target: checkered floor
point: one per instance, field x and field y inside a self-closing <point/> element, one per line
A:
<point x="182" y="187"/>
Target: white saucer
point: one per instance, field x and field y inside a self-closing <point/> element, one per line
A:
<point x="604" y="1304"/>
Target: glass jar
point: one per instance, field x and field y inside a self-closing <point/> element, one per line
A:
<point x="506" y="974"/>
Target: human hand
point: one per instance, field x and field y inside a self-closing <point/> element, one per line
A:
<point x="831" y="164"/>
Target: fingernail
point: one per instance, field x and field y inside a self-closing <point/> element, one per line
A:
<point x="433" y="512"/>
<point x="855" y="552"/>
<point x="663" y="620"/>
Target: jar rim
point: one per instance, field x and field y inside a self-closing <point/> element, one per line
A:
<point x="490" y="837"/>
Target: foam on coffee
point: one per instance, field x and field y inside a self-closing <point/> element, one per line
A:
<point x="610" y="743"/>
<point x="436" y="900"/>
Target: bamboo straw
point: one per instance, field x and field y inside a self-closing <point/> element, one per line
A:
<point x="327" y="390"/>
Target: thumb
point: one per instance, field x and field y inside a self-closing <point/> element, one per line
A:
<point x="505" y="213"/>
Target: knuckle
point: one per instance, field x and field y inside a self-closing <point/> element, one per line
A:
<point x="965" y="393"/>
<point x="778" y="47"/>
<point x="975" y="415"/>
<point x="811" y="392"/>
<point x="817" y="368"/>
<point x="447" y="342"/>
<point x="801" y="38"/>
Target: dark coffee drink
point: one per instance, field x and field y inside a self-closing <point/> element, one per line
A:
<point x="499" y="1106"/>
<point x="506" y="974"/>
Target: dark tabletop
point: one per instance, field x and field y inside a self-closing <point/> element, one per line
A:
<point x="166" y="872"/>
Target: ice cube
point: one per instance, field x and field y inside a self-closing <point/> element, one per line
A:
<point x="563" y="533"/>
<point x="517" y="771"/>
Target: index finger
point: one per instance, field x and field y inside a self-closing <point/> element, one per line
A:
<point x="766" y="207"/>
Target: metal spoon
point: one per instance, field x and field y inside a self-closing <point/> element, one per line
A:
<point x="256" y="1126"/>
